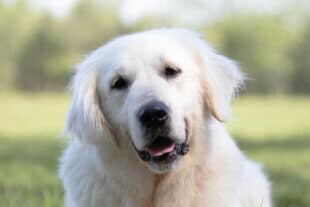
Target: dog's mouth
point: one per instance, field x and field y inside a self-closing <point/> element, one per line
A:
<point x="164" y="148"/>
<point x="160" y="146"/>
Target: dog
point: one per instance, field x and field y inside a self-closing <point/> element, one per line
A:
<point x="146" y="127"/>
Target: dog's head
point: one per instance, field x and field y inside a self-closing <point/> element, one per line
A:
<point x="146" y="91"/>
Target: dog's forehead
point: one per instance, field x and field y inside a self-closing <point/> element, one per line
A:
<point x="142" y="52"/>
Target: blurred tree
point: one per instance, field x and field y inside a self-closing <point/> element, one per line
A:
<point x="300" y="57"/>
<point x="38" y="51"/>
<point x="91" y="23"/>
<point x="150" y="22"/>
<point x="16" y="24"/>
<point x="34" y="62"/>
<point x="46" y="61"/>
<point x="260" y="47"/>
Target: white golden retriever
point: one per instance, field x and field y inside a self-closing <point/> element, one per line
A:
<point x="146" y="121"/>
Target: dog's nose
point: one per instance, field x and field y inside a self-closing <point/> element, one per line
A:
<point x="153" y="114"/>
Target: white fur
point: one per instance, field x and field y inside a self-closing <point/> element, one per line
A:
<point x="100" y="167"/>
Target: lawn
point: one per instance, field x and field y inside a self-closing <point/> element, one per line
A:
<point x="272" y="130"/>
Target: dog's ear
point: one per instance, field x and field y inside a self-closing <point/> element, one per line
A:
<point x="85" y="119"/>
<point x="221" y="80"/>
<point x="221" y="77"/>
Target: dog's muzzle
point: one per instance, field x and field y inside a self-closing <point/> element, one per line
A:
<point x="164" y="148"/>
<point x="154" y="118"/>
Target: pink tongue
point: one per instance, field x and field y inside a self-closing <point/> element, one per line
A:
<point x="159" y="152"/>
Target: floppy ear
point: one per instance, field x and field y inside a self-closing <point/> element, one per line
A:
<point x="221" y="80"/>
<point x="221" y="76"/>
<point x="85" y="119"/>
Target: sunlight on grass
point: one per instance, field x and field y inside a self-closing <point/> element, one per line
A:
<point x="23" y="115"/>
<point x="277" y="117"/>
<point x="276" y="132"/>
<point x="271" y="130"/>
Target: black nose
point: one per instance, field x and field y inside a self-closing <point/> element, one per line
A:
<point x="153" y="114"/>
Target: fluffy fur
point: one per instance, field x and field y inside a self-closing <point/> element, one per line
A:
<point x="100" y="166"/>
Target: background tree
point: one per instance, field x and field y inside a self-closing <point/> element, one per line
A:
<point x="259" y="45"/>
<point x="300" y="57"/>
<point x="16" y="24"/>
<point x="38" y="51"/>
<point x="38" y="55"/>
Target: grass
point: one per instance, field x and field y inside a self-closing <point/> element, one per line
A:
<point x="276" y="132"/>
<point x="272" y="130"/>
<point x="29" y="149"/>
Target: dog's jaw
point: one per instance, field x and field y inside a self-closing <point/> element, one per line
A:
<point x="166" y="158"/>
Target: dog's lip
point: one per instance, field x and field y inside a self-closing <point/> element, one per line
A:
<point x="160" y="146"/>
<point x="167" y="153"/>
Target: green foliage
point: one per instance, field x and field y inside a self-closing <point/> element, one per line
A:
<point x="39" y="51"/>
<point x="91" y="24"/>
<point x="300" y="57"/>
<point x="39" y="58"/>
<point x="16" y="24"/>
<point x="258" y="44"/>
<point x="271" y="130"/>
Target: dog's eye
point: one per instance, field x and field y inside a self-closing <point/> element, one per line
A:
<point x="119" y="84"/>
<point x="171" y="72"/>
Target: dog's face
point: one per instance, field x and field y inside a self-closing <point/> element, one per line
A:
<point x="146" y="90"/>
<point x="149" y="97"/>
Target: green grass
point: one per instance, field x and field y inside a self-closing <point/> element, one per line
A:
<point x="276" y="132"/>
<point x="29" y="149"/>
<point x="272" y="130"/>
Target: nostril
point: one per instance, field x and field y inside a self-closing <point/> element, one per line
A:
<point x="146" y="117"/>
<point x="153" y="114"/>
<point x="161" y="115"/>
